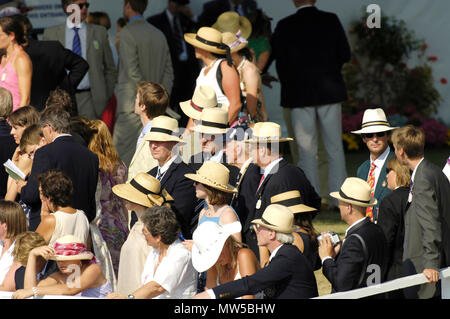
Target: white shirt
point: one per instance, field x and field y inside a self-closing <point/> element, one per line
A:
<point x="175" y="273"/>
<point x="413" y="175"/>
<point x="162" y="170"/>
<point x="6" y="261"/>
<point x="446" y="169"/>
<point x="274" y="252"/>
<point x="379" y="162"/>
<point x="183" y="55"/>
<point x="268" y="169"/>
<point x="70" y="33"/>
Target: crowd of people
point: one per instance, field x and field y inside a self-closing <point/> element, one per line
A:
<point x="186" y="193"/>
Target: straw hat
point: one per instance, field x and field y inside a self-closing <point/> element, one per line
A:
<point x="231" y="21"/>
<point x="374" y="121"/>
<point x="204" y="97"/>
<point x="355" y="191"/>
<point x="235" y="42"/>
<point x="209" y="238"/>
<point x="164" y="129"/>
<point x="292" y="200"/>
<point x="208" y="39"/>
<point x="213" y="120"/>
<point x="144" y="190"/>
<point x="277" y="217"/>
<point x="215" y="175"/>
<point x="70" y="248"/>
<point x="267" y="132"/>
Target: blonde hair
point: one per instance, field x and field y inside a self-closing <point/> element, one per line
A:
<point x="403" y="175"/>
<point x="13" y="215"/>
<point x="234" y="246"/>
<point x="102" y="145"/>
<point x="6" y="103"/>
<point x="411" y="139"/>
<point x="26" y="242"/>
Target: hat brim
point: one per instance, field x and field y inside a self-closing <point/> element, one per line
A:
<point x="159" y="200"/>
<point x="269" y="140"/>
<point x="238" y="48"/>
<point x="190" y="38"/>
<point x="374" y="129"/>
<point x="129" y="193"/>
<point x="161" y="137"/>
<point x="194" y="114"/>
<point x="203" y="180"/>
<point x="301" y="208"/>
<point x="209" y="130"/>
<point x="273" y="227"/>
<point x="84" y="256"/>
<point x="373" y="201"/>
<point x="244" y="25"/>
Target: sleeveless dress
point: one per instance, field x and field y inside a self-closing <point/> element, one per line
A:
<point x="10" y="81"/>
<point x="210" y="79"/>
<point x="70" y="224"/>
<point x="216" y="219"/>
<point x="310" y="253"/>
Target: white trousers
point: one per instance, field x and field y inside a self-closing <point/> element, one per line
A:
<point x="328" y="119"/>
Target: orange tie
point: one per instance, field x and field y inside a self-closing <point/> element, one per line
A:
<point x="371" y="182"/>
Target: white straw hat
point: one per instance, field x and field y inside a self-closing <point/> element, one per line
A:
<point x="204" y="97"/>
<point x="292" y="200"/>
<point x="70" y="248"/>
<point x="208" y="39"/>
<point x="213" y="120"/>
<point x="355" y="191"/>
<point x="267" y="132"/>
<point x="164" y="129"/>
<point x="374" y="121"/>
<point x="277" y="217"/>
<point x="215" y="175"/>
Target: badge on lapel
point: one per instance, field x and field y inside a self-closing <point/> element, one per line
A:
<point x="384" y="184"/>
<point x="96" y="45"/>
<point x="258" y="203"/>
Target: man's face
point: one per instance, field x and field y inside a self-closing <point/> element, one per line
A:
<point x="207" y="143"/>
<point x="230" y="150"/>
<point x="161" y="151"/>
<point x="376" y="142"/>
<point x="83" y="4"/>
<point x="262" y="234"/>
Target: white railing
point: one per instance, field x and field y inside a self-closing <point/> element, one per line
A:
<point x="7" y="295"/>
<point x="409" y="281"/>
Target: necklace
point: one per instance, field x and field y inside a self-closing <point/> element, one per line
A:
<point x="241" y="65"/>
<point x="211" y="64"/>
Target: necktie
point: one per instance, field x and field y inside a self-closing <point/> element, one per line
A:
<point x="410" y="195"/>
<point x="371" y="182"/>
<point x="260" y="183"/>
<point x="76" y="45"/>
<point x="177" y="36"/>
<point x="159" y="174"/>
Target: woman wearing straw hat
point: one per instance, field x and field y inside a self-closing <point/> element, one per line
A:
<point x="78" y="273"/>
<point x="216" y="58"/>
<point x="142" y="192"/>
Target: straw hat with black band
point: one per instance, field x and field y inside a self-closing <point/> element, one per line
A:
<point x="209" y="39"/>
<point x="278" y="218"/>
<point x="292" y="200"/>
<point x="164" y="129"/>
<point x="214" y="175"/>
<point x="204" y="97"/>
<point x="355" y="191"/>
<point x="212" y="121"/>
<point x="144" y="190"/>
<point x="231" y="21"/>
<point x="374" y="121"/>
<point x="267" y="132"/>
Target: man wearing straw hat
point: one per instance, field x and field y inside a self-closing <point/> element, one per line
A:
<point x="163" y="139"/>
<point x="375" y="132"/>
<point x="363" y="253"/>
<point x="288" y="275"/>
<point x="278" y="176"/>
<point x="213" y="9"/>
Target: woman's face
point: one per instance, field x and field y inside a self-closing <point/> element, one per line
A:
<point x="200" y="191"/>
<point x="201" y="53"/>
<point x="67" y="267"/>
<point x="17" y="132"/>
<point x="151" y="241"/>
<point x="5" y="39"/>
<point x="392" y="180"/>
<point x="3" y="231"/>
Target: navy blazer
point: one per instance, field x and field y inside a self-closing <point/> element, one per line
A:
<point x="213" y="9"/>
<point x="288" y="276"/>
<point x="78" y="162"/>
<point x="7" y="148"/>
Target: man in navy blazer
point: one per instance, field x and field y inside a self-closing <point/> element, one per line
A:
<point x="65" y="153"/>
<point x="213" y="9"/>
<point x="288" y="275"/>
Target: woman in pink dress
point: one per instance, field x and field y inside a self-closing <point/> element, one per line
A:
<point x="15" y="68"/>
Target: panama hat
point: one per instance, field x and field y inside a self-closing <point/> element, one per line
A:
<point x="164" y="129"/>
<point x="215" y="175"/>
<point x="234" y="41"/>
<point x="355" y="191"/>
<point x="209" y="238"/>
<point x="204" y="97"/>
<point x="231" y="21"/>
<point x="213" y="120"/>
<point x="144" y="190"/>
<point x="374" y="121"/>
<point x="277" y="217"/>
<point x="70" y="248"/>
<point x="292" y="200"/>
<point x="267" y="132"/>
<point x="208" y="39"/>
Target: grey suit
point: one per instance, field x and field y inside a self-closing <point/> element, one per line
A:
<point x="102" y="70"/>
<point x="427" y="227"/>
<point x="143" y="56"/>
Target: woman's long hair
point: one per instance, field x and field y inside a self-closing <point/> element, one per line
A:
<point x="102" y="145"/>
<point x="304" y="221"/>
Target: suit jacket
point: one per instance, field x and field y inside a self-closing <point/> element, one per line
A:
<point x="288" y="276"/>
<point x="245" y="199"/>
<point x="381" y="189"/>
<point x="7" y="148"/>
<point x="310" y="48"/>
<point x="213" y="9"/>
<point x="51" y="61"/>
<point x="427" y="227"/>
<point x="78" y="162"/>
<point x="183" y="192"/>
<point x="102" y="70"/>
<point x="197" y="160"/>
<point x="345" y="270"/>
<point x="142" y="161"/>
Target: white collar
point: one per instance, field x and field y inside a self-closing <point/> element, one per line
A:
<point x="70" y="25"/>
<point x="166" y="166"/>
<point x="269" y="167"/>
<point x="415" y="169"/>
<point x="274" y="252"/>
<point x="354" y="224"/>
<point x="379" y="162"/>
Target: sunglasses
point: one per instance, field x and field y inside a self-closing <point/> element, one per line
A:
<point x="371" y="135"/>
<point x="82" y="5"/>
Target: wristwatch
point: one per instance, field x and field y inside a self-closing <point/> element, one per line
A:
<point x="130" y="296"/>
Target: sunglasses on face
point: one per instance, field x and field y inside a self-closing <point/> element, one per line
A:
<point x="371" y="135"/>
<point x="82" y="5"/>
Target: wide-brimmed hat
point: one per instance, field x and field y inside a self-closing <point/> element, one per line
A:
<point x="355" y="191"/>
<point x="208" y="39"/>
<point x="374" y="121"/>
<point x="213" y="120"/>
<point x="215" y="175"/>
<point x="231" y="21"/>
<point x="164" y="129"/>
<point x="70" y="248"/>
<point x="239" y="133"/>
<point x="277" y="217"/>
<point x="204" y="97"/>
<point x="267" y="132"/>
<point x="144" y="190"/>
<point x="209" y="238"/>
<point x="292" y="200"/>
<point x="235" y="41"/>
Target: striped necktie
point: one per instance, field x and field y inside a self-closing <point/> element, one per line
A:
<point x="76" y="45"/>
<point x="371" y="182"/>
<point x="159" y="175"/>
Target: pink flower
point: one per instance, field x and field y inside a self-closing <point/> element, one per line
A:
<point x="444" y="81"/>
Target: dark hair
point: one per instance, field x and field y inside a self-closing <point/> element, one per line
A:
<point x="11" y="25"/>
<point x="245" y="52"/>
<point x="155" y="98"/>
<point x="57" y="186"/>
<point x="57" y="118"/>
<point x="25" y="22"/>
<point x="96" y="18"/>
<point x="82" y="127"/>
<point x="122" y="22"/>
<point x="261" y="26"/>
<point x="215" y="196"/>
<point x="161" y="221"/>
<point x="138" y="5"/>
<point x="304" y="220"/>
<point x="24" y="116"/>
<point x="61" y="98"/>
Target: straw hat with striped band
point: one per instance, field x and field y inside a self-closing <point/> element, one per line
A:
<point x="215" y="175"/>
<point x="212" y="121"/>
<point x="235" y="41"/>
<point x="70" y="247"/>
<point x="204" y="97"/>
<point x="208" y="39"/>
<point x="231" y="21"/>
<point x="355" y="191"/>
<point x="374" y="121"/>
<point x="292" y="200"/>
<point x="277" y="217"/>
<point x="144" y="190"/>
<point x="267" y="132"/>
<point x="164" y="129"/>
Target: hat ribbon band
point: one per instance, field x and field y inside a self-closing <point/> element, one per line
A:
<point x="70" y="249"/>
<point x="196" y="107"/>
<point x="218" y="45"/>
<point x="161" y="130"/>
<point x="213" y="124"/>
<point x="266" y="222"/>
<point x="343" y="195"/>
<point x="375" y="123"/>
<point x="290" y="202"/>
<point x="142" y="189"/>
